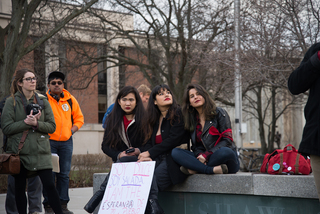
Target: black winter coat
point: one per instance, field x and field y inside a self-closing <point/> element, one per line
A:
<point x="134" y="140"/>
<point x="172" y="136"/>
<point x="304" y="78"/>
<point x="221" y="122"/>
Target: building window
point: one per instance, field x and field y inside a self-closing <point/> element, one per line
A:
<point x="122" y="69"/>
<point x="102" y="84"/>
<point x="40" y="66"/>
<point x="62" y="51"/>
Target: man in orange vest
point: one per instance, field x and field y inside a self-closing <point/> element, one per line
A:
<point x="69" y="119"/>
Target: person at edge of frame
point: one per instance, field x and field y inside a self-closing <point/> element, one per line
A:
<point x="17" y="123"/>
<point x="307" y="78"/>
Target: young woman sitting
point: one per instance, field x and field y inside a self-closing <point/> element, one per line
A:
<point x="166" y="132"/>
<point x="213" y="150"/>
<point x="125" y="129"/>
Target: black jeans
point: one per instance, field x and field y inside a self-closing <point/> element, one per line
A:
<point x="34" y="192"/>
<point x="47" y="182"/>
<point x="161" y="173"/>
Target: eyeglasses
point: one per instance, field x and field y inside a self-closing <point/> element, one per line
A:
<point x="30" y="79"/>
<point x="54" y="83"/>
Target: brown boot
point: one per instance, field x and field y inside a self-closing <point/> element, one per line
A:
<point x="65" y="209"/>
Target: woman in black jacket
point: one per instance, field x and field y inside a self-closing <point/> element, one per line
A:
<point x="166" y="132"/>
<point x="214" y="151"/>
<point x="125" y="129"/>
<point x="307" y="78"/>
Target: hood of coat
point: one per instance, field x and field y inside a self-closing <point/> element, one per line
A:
<point x="66" y="95"/>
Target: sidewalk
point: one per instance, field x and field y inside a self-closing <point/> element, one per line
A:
<point x="78" y="198"/>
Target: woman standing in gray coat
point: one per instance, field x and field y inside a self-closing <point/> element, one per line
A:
<point x="35" y="155"/>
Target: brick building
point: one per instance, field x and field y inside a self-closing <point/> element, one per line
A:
<point x="82" y="40"/>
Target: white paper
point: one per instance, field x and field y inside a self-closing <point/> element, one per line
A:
<point x="55" y="163"/>
<point x="128" y="188"/>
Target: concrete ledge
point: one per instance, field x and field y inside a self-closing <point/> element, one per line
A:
<point x="296" y="186"/>
<point x="240" y="183"/>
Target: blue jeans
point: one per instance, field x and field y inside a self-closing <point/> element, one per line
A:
<point x="64" y="150"/>
<point x="223" y="155"/>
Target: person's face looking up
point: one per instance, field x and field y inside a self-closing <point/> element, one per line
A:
<point x="128" y="103"/>
<point x="164" y="98"/>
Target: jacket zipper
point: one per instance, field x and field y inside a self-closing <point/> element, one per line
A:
<point x="58" y="104"/>
<point x="207" y="136"/>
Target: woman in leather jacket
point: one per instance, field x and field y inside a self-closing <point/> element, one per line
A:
<point x="213" y="149"/>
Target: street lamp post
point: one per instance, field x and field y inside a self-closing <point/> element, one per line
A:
<point x="238" y="90"/>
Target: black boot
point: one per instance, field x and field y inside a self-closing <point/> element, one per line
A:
<point x="153" y="207"/>
<point x="97" y="197"/>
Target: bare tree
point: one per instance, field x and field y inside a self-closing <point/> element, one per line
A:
<point x="15" y="37"/>
<point x="273" y="41"/>
<point x="170" y="41"/>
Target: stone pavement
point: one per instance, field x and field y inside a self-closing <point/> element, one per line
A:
<point x="78" y="198"/>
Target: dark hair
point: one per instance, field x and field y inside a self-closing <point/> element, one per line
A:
<point x="153" y="111"/>
<point x="19" y="75"/>
<point x="189" y="113"/>
<point x="114" y="120"/>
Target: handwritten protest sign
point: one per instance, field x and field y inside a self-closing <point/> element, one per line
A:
<point x="128" y="188"/>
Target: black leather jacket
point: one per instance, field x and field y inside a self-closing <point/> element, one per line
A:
<point x="220" y="122"/>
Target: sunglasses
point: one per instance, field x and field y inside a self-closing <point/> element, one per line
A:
<point x="54" y="82"/>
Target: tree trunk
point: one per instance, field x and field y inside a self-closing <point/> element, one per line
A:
<point x="261" y="121"/>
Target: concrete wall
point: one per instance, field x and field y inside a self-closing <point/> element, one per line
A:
<point x="88" y="139"/>
<point x="238" y="193"/>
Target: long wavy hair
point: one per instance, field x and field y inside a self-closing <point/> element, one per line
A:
<point x="190" y="113"/>
<point x="153" y="111"/>
<point x="114" y="120"/>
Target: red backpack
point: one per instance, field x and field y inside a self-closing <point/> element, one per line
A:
<point x="286" y="161"/>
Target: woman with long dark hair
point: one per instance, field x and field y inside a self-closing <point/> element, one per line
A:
<point x="166" y="132"/>
<point x="125" y="129"/>
<point x="35" y="155"/>
<point x="213" y="149"/>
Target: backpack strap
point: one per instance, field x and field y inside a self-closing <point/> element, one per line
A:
<point x="296" y="166"/>
<point x="70" y="104"/>
<point x="36" y="99"/>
